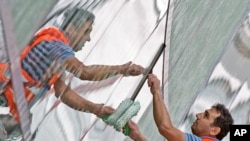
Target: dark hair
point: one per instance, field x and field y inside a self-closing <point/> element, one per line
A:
<point x="223" y="121"/>
<point x="77" y="17"/>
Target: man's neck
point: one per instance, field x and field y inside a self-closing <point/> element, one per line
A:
<point x="209" y="138"/>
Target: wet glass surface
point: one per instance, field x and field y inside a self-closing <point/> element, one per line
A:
<point x="208" y="63"/>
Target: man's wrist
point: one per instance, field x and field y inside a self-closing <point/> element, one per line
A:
<point x="124" y="69"/>
<point x="140" y="138"/>
<point x="97" y="109"/>
<point x="157" y="92"/>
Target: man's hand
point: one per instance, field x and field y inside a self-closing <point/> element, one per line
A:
<point x="154" y="84"/>
<point x="135" y="133"/>
<point x="133" y="69"/>
<point x="104" y="110"/>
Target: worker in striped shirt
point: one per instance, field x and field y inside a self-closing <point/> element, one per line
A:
<point x="51" y="52"/>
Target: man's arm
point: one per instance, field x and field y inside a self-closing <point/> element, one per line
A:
<point x="73" y="100"/>
<point x="100" y="72"/>
<point x="161" y="115"/>
<point x="135" y="132"/>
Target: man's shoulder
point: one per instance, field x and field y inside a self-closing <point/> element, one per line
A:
<point x="192" y="137"/>
<point x="50" y="34"/>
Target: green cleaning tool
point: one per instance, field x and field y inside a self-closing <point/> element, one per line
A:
<point x="129" y="113"/>
<point x="119" y="112"/>
<point x="125" y="111"/>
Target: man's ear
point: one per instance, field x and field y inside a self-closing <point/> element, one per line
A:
<point x="215" y="131"/>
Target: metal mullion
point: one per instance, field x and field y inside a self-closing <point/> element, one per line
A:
<point x="14" y="59"/>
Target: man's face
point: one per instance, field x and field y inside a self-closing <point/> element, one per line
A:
<point x="80" y="36"/>
<point x="203" y="125"/>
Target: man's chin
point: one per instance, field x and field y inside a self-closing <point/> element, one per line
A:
<point x="78" y="48"/>
<point x="192" y="128"/>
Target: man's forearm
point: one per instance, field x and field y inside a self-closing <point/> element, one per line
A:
<point x="100" y="72"/>
<point x="140" y="138"/>
<point x="76" y="102"/>
<point x="161" y="116"/>
<point x="73" y="100"/>
<point x="93" y="72"/>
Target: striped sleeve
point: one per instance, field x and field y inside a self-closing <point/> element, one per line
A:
<point x="40" y="58"/>
<point x="191" y="137"/>
<point x="61" y="51"/>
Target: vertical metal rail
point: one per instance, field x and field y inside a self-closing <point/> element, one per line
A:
<point x="166" y="53"/>
<point x="14" y="59"/>
<point x="155" y="59"/>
